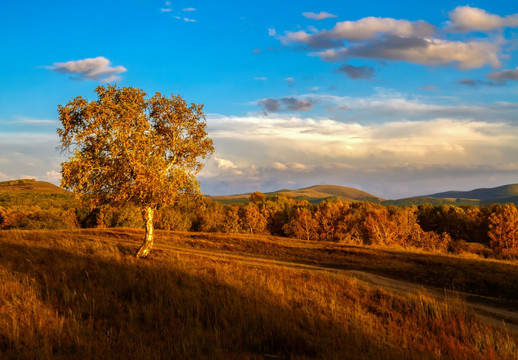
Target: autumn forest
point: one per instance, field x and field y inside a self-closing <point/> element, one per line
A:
<point x="489" y="231"/>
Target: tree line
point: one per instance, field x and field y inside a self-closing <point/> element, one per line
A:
<point x="486" y="230"/>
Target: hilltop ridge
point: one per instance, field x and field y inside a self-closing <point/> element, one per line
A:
<point x="313" y="194"/>
<point x="30" y="185"/>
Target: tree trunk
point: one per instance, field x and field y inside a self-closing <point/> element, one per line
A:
<point x="148" y="240"/>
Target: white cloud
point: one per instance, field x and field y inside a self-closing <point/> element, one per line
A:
<point x="370" y="27"/>
<point x="189" y="9"/>
<point x="224" y="163"/>
<point x="92" y="69"/>
<point x="260" y="78"/>
<point x="467" y="18"/>
<point x="320" y="16"/>
<point x="53" y="176"/>
<point x="166" y="10"/>
<point x="437" y="140"/>
<point x="360" y="30"/>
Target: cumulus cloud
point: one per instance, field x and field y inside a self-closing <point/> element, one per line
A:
<point x="320" y="16"/>
<point x="260" y="78"/>
<point x="285" y="104"/>
<point x="417" y="42"/>
<point x="426" y="51"/>
<point x="278" y="151"/>
<point x="189" y="9"/>
<point x="370" y="27"/>
<point x="360" y="30"/>
<point x="504" y="75"/>
<point x="98" y="68"/>
<point x="357" y="72"/>
<point x="467" y="18"/>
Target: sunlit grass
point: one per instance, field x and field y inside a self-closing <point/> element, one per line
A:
<point x="81" y="294"/>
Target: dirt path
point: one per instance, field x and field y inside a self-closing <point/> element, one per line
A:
<point x="488" y="308"/>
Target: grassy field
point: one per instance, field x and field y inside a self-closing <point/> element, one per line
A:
<point x="81" y="294"/>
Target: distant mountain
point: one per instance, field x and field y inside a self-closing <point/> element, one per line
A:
<point x="420" y="200"/>
<point x="483" y="196"/>
<point x="313" y="194"/>
<point x="30" y="185"/>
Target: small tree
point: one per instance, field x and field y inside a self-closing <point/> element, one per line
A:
<point x="126" y="149"/>
<point x="503" y="227"/>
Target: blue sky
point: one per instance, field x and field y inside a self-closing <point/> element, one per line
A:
<point x="394" y="98"/>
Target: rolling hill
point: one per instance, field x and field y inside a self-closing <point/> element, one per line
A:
<point x="483" y="196"/>
<point x="29" y="186"/>
<point x="318" y="193"/>
<point x="313" y="194"/>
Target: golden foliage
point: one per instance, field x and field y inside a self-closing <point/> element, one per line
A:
<point x="503" y="228"/>
<point x="129" y="150"/>
<point x="126" y="149"/>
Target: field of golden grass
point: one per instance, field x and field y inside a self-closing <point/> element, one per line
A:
<point x="81" y="294"/>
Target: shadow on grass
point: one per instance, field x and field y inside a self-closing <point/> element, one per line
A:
<point x="476" y="276"/>
<point x="150" y="309"/>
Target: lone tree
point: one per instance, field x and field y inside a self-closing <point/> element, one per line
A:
<point x="126" y="149"/>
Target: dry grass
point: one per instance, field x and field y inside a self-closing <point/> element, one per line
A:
<point x="80" y="294"/>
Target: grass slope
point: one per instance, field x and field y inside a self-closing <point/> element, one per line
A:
<point x="80" y="294"/>
<point x="30" y="186"/>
